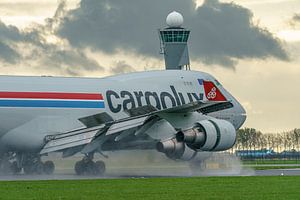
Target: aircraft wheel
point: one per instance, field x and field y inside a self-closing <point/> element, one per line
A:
<point x="89" y="167"/>
<point x="99" y="168"/>
<point x="39" y="168"/>
<point x="48" y="167"/>
<point x="79" y="167"/>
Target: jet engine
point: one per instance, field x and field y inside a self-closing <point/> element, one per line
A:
<point x="196" y="143"/>
<point x="209" y="135"/>
<point x="176" y="150"/>
<point x="181" y="151"/>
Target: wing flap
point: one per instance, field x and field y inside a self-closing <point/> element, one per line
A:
<point x="96" y="120"/>
<point x="69" y="139"/>
<point x="124" y="125"/>
<point x="86" y="136"/>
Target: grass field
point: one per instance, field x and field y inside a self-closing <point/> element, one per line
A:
<point x="272" y="167"/>
<point x="282" y="187"/>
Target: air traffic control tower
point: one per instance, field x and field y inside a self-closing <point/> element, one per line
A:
<point x="173" y="43"/>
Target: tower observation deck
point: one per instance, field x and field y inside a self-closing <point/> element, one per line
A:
<point x="173" y="43"/>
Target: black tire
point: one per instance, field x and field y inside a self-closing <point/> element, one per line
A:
<point x="99" y="168"/>
<point x="89" y="167"/>
<point x="79" y="167"/>
<point x="39" y="168"/>
<point x="49" y="167"/>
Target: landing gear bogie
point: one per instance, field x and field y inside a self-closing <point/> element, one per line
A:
<point x="39" y="168"/>
<point x="89" y="167"/>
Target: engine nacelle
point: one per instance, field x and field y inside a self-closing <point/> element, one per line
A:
<point x="209" y="135"/>
<point x="181" y="151"/>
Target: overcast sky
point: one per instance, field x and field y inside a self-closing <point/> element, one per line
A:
<point x="251" y="46"/>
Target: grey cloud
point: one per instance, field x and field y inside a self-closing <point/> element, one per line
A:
<point x="296" y="17"/>
<point x="72" y="62"/>
<point x="222" y="33"/>
<point x="121" y="67"/>
<point x="7" y="54"/>
<point x="294" y="21"/>
<point x="111" y="24"/>
<point x="10" y="33"/>
<point x="40" y="52"/>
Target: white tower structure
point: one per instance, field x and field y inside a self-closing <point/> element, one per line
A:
<point x="173" y="40"/>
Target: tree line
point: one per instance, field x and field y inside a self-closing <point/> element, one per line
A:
<point x="252" y="139"/>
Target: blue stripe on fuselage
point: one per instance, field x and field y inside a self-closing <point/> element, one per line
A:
<point x="51" y="104"/>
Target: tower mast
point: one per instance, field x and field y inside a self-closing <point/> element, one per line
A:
<point x="173" y="43"/>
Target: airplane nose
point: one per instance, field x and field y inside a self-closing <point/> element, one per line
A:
<point x="241" y="117"/>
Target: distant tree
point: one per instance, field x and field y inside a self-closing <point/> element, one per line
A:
<point x="251" y="139"/>
<point x="296" y="138"/>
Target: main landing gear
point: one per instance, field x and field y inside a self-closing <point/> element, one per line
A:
<point x="87" y="166"/>
<point x="7" y="166"/>
<point x="13" y="163"/>
<point x="33" y="164"/>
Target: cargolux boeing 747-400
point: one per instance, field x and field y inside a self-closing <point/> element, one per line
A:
<point x="180" y="113"/>
<point x="183" y="114"/>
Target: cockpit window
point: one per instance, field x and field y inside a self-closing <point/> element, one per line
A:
<point x="217" y="82"/>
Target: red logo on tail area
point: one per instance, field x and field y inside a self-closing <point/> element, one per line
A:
<point x="212" y="93"/>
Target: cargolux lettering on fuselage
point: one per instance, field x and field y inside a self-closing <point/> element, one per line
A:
<point x="136" y="99"/>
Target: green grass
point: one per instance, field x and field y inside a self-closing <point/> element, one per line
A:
<point x="272" y="167"/>
<point x="281" y="187"/>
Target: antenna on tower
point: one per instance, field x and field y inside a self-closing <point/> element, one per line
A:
<point x="173" y="43"/>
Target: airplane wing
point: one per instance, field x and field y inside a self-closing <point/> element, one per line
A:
<point x="101" y="128"/>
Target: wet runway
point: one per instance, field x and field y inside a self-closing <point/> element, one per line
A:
<point x="72" y="176"/>
<point x="278" y="172"/>
<point x="151" y="165"/>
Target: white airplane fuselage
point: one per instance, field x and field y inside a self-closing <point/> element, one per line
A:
<point x="33" y="107"/>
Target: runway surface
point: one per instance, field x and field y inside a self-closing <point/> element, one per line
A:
<point x="72" y="176"/>
<point x="148" y="165"/>
<point x="278" y="172"/>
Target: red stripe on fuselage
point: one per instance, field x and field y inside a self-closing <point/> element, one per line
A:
<point x="51" y="95"/>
